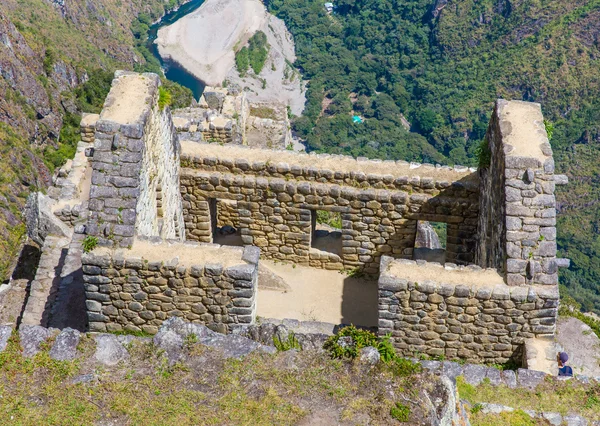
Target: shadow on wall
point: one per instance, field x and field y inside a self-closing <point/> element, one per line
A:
<point x="360" y="302"/>
<point x="25" y="269"/>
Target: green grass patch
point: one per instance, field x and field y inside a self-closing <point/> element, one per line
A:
<point x="563" y="397"/>
<point x="263" y="112"/>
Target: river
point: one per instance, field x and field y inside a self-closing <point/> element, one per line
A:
<point x="172" y="70"/>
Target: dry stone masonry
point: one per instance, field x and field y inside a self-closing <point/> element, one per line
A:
<point x="279" y="192"/>
<point x="135" y="157"/>
<point x="160" y="197"/>
<point x="486" y="315"/>
<point x="137" y="293"/>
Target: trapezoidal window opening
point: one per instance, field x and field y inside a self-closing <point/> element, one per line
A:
<point x="225" y="222"/>
<point x="326" y="231"/>
<point x="430" y="241"/>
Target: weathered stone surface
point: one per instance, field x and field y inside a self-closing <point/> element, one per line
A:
<point x="65" y="345"/>
<point x="231" y="346"/>
<point x="109" y="351"/>
<point x="40" y="220"/>
<point x="369" y="355"/>
<point x="474" y="374"/>
<point x="5" y="333"/>
<point x="31" y="338"/>
<point x="530" y="378"/>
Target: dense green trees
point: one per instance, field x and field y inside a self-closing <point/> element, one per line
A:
<point x="382" y="58"/>
<point x="255" y="55"/>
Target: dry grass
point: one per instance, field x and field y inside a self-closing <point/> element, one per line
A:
<point x="263" y="112"/>
<point x="564" y="397"/>
<point x="205" y="389"/>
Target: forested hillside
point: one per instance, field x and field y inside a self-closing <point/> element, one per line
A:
<point x="57" y="59"/>
<point x="442" y="64"/>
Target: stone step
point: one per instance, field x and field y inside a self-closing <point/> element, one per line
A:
<point x="540" y="354"/>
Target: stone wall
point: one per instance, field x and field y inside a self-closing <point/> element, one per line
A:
<point x="88" y="127"/>
<point x="461" y="312"/>
<point x="278" y="194"/>
<point x="159" y="205"/>
<point x="228" y="213"/>
<point x="128" y="290"/>
<point x="135" y="153"/>
<point x="517" y="221"/>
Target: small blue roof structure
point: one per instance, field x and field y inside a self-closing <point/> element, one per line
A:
<point x="357" y="119"/>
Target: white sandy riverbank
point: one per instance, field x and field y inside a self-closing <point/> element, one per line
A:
<point x="204" y="43"/>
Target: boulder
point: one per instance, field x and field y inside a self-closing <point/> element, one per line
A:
<point x="426" y="236"/>
<point x="109" y="351"/>
<point x="40" y="220"/>
<point x="231" y="346"/>
<point x="5" y="333"/>
<point x="451" y="369"/>
<point x="65" y="345"/>
<point x="214" y="100"/>
<point x="32" y="336"/>
<point x="530" y="378"/>
<point x="474" y="374"/>
<point x="369" y="355"/>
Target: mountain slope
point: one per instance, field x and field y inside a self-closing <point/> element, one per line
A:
<point x="442" y="63"/>
<point x="48" y="49"/>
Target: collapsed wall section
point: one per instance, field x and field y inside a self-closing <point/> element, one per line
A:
<point x="136" y="290"/>
<point x="135" y="178"/>
<point x="278" y="193"/>
<point x="466" y="312"/>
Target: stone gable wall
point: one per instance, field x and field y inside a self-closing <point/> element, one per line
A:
<point x="476" y="322"/>
<point x="130" y="162"/>
<point x="128" y="292"/>
<point x="517" y="221"/>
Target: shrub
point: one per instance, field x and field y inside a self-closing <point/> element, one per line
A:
<point x="89" y="243"/>
<point x="360" y="338"/>
<point x="400" y="412"/>
<point x="484" y="154"/>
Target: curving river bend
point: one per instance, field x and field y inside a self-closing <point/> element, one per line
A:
<point x="172" y="70"/>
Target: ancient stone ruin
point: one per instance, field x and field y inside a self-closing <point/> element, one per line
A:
<point x="181" y="225"/>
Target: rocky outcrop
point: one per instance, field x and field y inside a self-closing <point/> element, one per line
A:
<point x="427" y="237"/>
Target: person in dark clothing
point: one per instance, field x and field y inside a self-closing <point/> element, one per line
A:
<point x="563" y="368"/>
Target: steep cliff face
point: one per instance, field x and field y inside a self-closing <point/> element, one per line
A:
<point x="47" y="49"/>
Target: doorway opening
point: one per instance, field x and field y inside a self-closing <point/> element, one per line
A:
<point x="225" y="222"/>
<point x="326" y="235"/>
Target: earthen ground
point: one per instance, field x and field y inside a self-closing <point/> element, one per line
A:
<point x="319" y="295"/>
